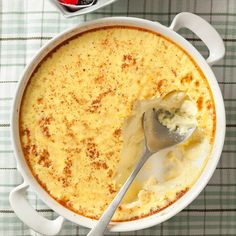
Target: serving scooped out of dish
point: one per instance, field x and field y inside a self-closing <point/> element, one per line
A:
<point x="159" y="134"/>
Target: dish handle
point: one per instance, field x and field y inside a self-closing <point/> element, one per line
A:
<point x="30" y="216"/>
<point x="204" y="31"/>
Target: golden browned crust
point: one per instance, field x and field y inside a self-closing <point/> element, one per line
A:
<point x="94" y="104"/>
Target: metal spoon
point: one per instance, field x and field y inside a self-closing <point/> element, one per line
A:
<point x="157" y="137"/>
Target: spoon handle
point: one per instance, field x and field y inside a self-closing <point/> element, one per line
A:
<point x="101" y="226"/>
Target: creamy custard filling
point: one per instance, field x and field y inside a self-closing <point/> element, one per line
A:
<point x="80" y="118"/>
<point x="179" y="166"/>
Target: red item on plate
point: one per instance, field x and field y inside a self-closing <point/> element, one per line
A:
<point x="73" y="2"/>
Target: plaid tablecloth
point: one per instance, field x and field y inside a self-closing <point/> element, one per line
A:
<point x="27" y="25"/>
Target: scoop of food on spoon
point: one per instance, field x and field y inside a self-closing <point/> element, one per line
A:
<point x="157" y="137"/>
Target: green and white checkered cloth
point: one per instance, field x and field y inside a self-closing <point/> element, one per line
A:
<point x="27" y="25"/>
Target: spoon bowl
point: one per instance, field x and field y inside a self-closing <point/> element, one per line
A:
<point x="158" y="136"/>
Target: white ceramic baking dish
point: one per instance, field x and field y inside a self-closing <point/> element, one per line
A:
<point x="216" y="51"/>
